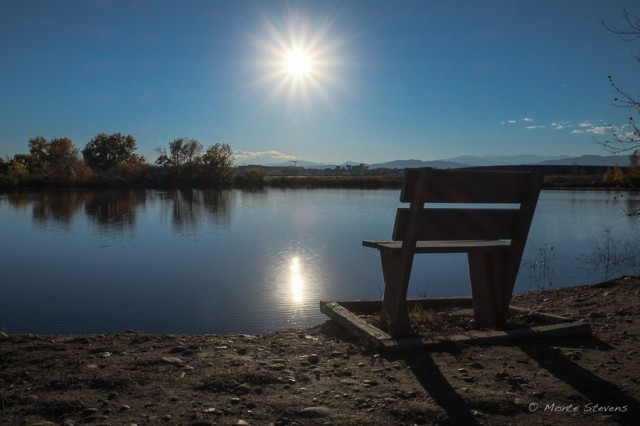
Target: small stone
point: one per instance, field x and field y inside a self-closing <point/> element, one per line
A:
<point x="89" y="411"/>
<point x="241" y="351"/>
<point x="313" y="359"/>
<point x="335" y="354"/>
<point x="29" y="399"/>
<point x="477" y="413"/>
<point x="234" y="401"/>
<point x="241" y="390"/>
<point x="125" y="407"/>
<point x="521" y="402"/>
<point x="502" y="375"/>
<point x="476" y="365"/>
<point x="242" y="423"/>
<point x="370" y="383"/>
<point x="173" y="360"/>
<point x="315" y="412"/>
<point x="177" y="350"/>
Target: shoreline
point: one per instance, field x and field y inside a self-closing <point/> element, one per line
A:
<point x="321" y="375"/>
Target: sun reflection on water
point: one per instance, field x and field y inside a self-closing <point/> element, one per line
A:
<point x="296" y="281"/>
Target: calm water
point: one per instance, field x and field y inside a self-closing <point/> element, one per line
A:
<point x="234" y="261"/>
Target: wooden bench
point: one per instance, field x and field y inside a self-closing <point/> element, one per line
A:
<point x="488" y="217"/>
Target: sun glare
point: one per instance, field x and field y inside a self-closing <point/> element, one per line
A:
<point x="298" y="64"/>
<point x="297" y="60"/>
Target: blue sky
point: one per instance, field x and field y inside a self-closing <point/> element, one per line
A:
<point x="386" y="79"/>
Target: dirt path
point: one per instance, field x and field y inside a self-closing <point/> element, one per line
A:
<point x="320" y="376"/>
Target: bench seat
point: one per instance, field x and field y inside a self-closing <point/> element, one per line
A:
<point x="450" y="246"/>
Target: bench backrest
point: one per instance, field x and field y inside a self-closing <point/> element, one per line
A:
<point x="489" y="205"/>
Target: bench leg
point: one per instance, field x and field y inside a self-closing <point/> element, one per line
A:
<point x="489" y="287"/>
<point x="394" y="316"/>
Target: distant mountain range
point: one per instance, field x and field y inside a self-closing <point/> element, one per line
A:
<point x="475" y="161"/>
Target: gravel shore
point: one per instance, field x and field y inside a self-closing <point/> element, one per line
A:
<point x="322" y="376"/>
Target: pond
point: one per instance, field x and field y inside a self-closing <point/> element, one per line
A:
<point x="195" y="261"/>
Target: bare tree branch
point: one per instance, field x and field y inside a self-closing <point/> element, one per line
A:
<point x="628" y="137"/>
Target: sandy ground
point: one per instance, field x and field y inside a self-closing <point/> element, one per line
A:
<point x="321" y="376"/>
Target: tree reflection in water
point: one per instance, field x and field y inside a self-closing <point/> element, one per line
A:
<point x="115" y="212"/>
<point x="189" y="208"/>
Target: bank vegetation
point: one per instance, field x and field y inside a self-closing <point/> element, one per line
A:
<point x="111" y="160"/>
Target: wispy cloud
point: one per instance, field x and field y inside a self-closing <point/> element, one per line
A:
<point x="247" y="156"/>
<point x="593" y="127"/>
<point x="596" y="130"/>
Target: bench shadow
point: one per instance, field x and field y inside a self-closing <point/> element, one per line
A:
<point x="545" y="352"/>
<point x="430" y="377"/>
<point x="547" y="355"/>
<point x="594" y="388"/>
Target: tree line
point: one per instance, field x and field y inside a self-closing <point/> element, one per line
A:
<point x="112" y="159"/>
<point x="618" y="177"/>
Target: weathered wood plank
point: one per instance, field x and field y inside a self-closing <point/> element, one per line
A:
<point x="459" y="224"/>
<point x="464" y="186"/>
<point x="442" y="246"/>
<point x="353" y="323"/>
<point x="342" y="314"/>
<point x="369" y="306"/>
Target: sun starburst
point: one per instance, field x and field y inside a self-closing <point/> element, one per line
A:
<point x="298" y="62"/>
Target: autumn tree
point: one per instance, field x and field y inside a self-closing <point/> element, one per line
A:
<point x="181" y="151"/>
<point x="104" y="152"/>
<point x="18" y="167"/>
<point x="618" y="176"/>
<point x="218" y="161"/>
<point x="57" y="158"/>
<point x="38" y="160"/>
<point x="633" y="172"/>
<point x="187" y="161"/>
